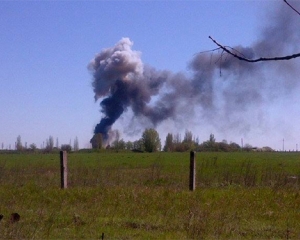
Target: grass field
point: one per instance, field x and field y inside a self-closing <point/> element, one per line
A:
<point x="145" y="196"/>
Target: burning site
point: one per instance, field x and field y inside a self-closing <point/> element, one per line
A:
<point x="219" y="89"/>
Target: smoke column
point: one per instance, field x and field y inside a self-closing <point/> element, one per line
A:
<point x="119" y="75"/>
<point x="219" y="87"/>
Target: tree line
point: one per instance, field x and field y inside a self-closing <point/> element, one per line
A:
<point x="47" y="146"/>
<point x="150" y="142"/>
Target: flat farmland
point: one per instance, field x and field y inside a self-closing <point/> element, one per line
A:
<point x="127" y="195"/>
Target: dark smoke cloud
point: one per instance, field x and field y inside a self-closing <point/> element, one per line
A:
<point x="218" y="87"/>
<point x="119" y="75"/>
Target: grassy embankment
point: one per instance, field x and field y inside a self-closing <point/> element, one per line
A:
<point x="145" y="196"/>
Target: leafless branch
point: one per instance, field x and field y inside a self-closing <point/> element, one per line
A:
<point x="225" y="49"/>
<point x="233" y="52"/>
<point x="292" y="7"/>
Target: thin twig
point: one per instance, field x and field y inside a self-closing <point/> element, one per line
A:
<point x="212" y="50"/>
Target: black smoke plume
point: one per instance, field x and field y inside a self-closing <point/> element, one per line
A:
<point x="119" y="75"/>
<point x="219" y="87"/>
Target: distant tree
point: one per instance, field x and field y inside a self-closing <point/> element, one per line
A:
<point x="177" y="143"/>
<point x="76" y="144"/>
<point x="122" y="144"/>
<point x="234" y="146"/>
<point x="169" y="145"/>
<point x="211" y="142"/>
<point x="188" y="136"/>
<point x="57" y="144"/>
<point x="49" y="144"/>
<point x="151" y="140"/>
<point x="188" y="142"/>
<point x="66" y="147"/>
<point x="212" y="138"/>
<point x="2" y="145"/>
<point x="19" y="145"/>
<point x="32" y="147"/>
<point x="267" y="149"/>
<point x="129" y="145"/>
<point x="196" y="140"/>
<point x="138" y="145"/>
<point x="209" y="145"/>
<point x="248" y="147"/>
<point x="180" y="147"/>
<point x="222" y="146"/>
<point x="177" y="138"/>
<point x="119" y="144"/>
<point x="117" y="135"/>
<point x="97" y="141"/>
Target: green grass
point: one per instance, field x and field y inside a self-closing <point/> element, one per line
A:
<point x="145" y="196"/>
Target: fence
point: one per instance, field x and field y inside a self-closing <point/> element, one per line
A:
<point x="170" y="171"/>
<point x="64" y="170"/>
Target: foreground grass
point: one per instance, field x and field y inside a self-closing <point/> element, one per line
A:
<point x="145" y="196"/>
<point x="145" y="213"/>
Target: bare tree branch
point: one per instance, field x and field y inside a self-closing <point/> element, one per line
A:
<point x="233" y="52"/>
<point x="292" y="7"/>
<point x="225" y="49"/>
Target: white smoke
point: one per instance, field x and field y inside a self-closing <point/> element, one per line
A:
<point x="117" y="63"/>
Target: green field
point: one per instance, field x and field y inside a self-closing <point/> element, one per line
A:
<point x="130" y="195"/>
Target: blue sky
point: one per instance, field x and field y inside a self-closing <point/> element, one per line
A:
<point x="45" y="47"/>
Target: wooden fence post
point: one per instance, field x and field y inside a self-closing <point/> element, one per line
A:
<point x="63" y="169"/>
<point x="192" y="171"/>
